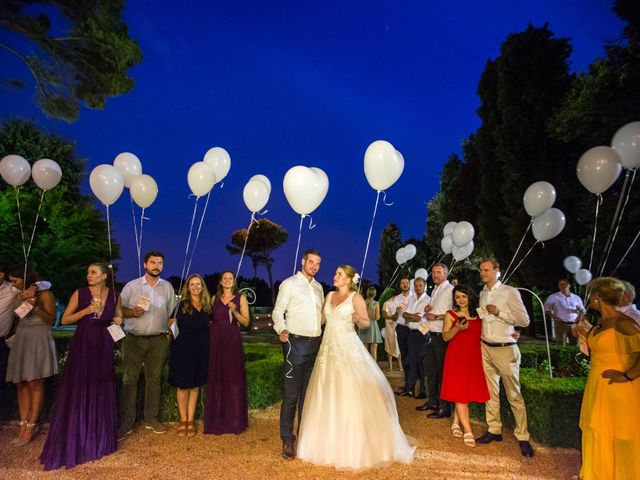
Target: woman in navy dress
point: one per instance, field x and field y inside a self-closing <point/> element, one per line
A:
<point x="190" y="351"/>
<point x="84" y="424"/>
<point x="226" y="406"/>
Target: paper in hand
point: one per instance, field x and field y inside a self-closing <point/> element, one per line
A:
<point x="23" y="310"/>
<point x="116" y="332"/>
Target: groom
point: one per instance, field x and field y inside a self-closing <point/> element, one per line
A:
<point x="297" y="320"/>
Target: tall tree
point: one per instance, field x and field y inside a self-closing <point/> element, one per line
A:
<point x="390" y="242"/>
<point x="71" y="232"/>
<point x="82" y="51"/>
<point x="265" y="237"/>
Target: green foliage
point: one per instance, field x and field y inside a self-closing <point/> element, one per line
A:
<point x="70" y="232"/>
<point x="82" y="52"/>
<point x="390" y="242"/>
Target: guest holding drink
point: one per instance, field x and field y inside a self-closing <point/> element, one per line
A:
<point x="33" y="352"/>
<point x="190" y="351"/>
<point x="226" y="406"/>
<point x="463" y="378"/>
<point x="371" y="336"/>
<point x="84" y="424"/>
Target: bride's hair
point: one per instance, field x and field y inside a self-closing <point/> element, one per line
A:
<point x="350" y="271"/>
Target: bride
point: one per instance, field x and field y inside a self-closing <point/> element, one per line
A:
<point x="349" y="419"/>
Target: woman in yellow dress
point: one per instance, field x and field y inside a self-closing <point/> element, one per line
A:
<point x="610" y="417"/>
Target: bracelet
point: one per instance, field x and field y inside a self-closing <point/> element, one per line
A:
<point x="624" y="374"/>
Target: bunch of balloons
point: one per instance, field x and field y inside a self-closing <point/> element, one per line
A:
<point x="458" y="240"/>
<point x="16" y="171"/>
<point x="406" y="253"/>
<point x="574" y="265"/>
<point x="546" y="222"/>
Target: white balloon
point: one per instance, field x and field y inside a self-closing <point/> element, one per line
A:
<point x="572" y="264"/>
<point x="15" y="170"/>
<point x="626" y="142"/>
<point x="460" y="253"/>
<point x="255" y="195"/>
<point x="263" y="179"/>
<point x="220" y="160"/>
<point x="129" y="166"/>
<point x="421" y="273"/>
<point x="411" y="251"/>
<point x="46" y="173"/>
<point x="401" y="256"/>
<point x="448" y="228"/>
<point x="583" y="276"/>
<point x="144" y="190"/>
<point x="462" y="234"/>
<point x="305" y="188"/>
<point x="538" y="198"/>
<point x="106" y="183"/>
<point x="598" y="169"/>
<point x="383" y="165"/>
<point x="201" y="178"/>
<point x="446" y="243"/>
<point x="548" y="225"/>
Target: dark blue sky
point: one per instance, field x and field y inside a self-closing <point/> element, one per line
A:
<point x="280" y="84"/>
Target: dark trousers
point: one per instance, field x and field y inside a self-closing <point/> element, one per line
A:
<point x="402" y="333"/>
<point x="434" y="365"/>
<point x="299" y="358"/>
<point x="417" y="344"/>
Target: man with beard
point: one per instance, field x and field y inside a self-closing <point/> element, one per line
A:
<point x="147" y="303"/>
<point x="297" y="318"/>
<point x="393" y="310"/>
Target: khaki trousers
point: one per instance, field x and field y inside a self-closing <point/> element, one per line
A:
<point x="563" y="333"/>
<point x="503" y="363"/>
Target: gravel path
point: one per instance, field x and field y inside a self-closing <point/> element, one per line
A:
<point x="256" y="455"/>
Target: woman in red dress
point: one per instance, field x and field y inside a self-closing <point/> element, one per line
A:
<point x="463" y="378"/>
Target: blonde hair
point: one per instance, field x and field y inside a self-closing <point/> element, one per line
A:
<point x="205" y="298"/>
<point x="371" y="292"/>
<point x="610" y="290"/>
<point x="350" y="271"/>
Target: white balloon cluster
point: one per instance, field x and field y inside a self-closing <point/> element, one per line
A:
<point x="15" y="170"/>
<point x="547" y="222"/>
<point x="406" y="253"/>
<point x="574" y="265"/>
<point x="458" y="240"/>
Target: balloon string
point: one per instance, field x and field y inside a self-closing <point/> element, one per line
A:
<point x="244" y="248"/>
<point x="35" y="224"/>
<point x="384" y="198"/>
<point x="626" y="253"/>
<point x="295" y="261"/>
<point x="311" y="224"/>
<point x="113" y="276"/>
<point x="186" y="250"/>
<point x="519" y="246"/>
<point x="438" y="258"/>
<point x="619" y="216"/>
<point x="523" y="259"/>
<point x="595" y="229"/>
<point x="195" y="241"/>
<point x="24" y="248"/>
<point x="393" y="278"/>
<point x="135" y="233"/>
<point x="139" y="246"/>
<point x="366" y="250"/>
<point x="453" y="262"/>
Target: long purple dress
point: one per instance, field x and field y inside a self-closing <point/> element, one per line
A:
<point x="226" y="408"/>
<point x="84" y="424"/>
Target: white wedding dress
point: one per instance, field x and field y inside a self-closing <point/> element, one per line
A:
<point x="349" y="419"/>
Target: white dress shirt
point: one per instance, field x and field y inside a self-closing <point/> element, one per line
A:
<point x="298" y="308"/>
<point x="511" y="313"/>
<point x="566" y="309"/>
<point x="441" y="302"/>
<point x="416" y="306"/>
<point x="162" y="299"/>
<point x="401" y="299"/>
<point x="631" y="311"/>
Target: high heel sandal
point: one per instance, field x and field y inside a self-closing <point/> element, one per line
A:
<point x="21" y="425"/>
<point x="468" y="439"/>
<point x="191" y="429"/>
<point x="34" y="427"/>
<point x="182" y="429"/>
<point x="456" y="430"/>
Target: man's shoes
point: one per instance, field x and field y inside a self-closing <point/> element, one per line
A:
<point x="490" y="437"/>
<point x="405" y="393"/>
<point x="288" y="450"/>
<point x="440" y="413"/>
<point x="525" y="448"/>
<point x="155" y="426"/>
<point x="123" y="433"/>
<point x="421" y="396"/>
<point x="426" y="407"/>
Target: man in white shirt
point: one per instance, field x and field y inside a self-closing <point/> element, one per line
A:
<point x="501" y="309"/>
<point x="441" y="302"/>
<point x="418" y="338"/>
<point x="393" y="311"/>
<point x="627" y="307"/>
<point x="297" y="318"/>
<point x="565" y="308"/>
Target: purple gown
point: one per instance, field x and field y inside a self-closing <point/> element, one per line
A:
<point x="84" y="424"/>
<point x="226" y="408"/>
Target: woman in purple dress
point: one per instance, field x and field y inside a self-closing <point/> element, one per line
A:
<point x="226" y="407"/>
<point x="84" y="424"/>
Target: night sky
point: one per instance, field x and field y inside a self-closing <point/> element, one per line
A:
<point x="279" y="84"/>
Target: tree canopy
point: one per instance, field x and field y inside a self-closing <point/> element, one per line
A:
<point x="78" y="53"/>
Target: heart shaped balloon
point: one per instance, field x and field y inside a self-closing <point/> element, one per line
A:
<point x="383" y="165"/>
<point x="305" y="188"/>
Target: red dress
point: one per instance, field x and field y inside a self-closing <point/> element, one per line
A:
<point x="463" y="376"/>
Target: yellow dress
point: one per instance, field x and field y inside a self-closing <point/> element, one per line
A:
<point x="610" y="414"/>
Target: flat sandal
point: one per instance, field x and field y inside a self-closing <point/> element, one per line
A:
<point x="182" y="429"/>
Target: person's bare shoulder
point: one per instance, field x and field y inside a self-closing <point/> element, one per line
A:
<point x="627" y="326"/>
